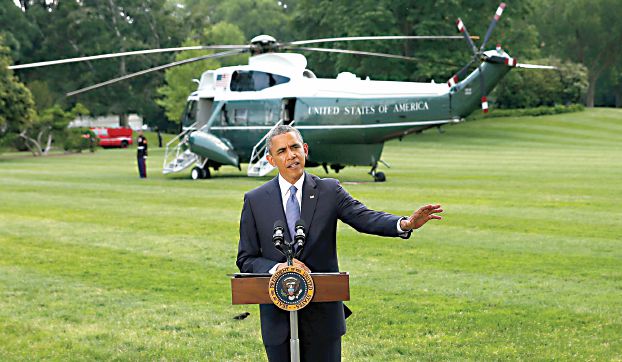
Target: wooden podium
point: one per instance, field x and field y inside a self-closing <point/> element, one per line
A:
<point x="247" y="288"/>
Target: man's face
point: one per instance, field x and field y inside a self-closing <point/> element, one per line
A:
<point x="288" y="154"/>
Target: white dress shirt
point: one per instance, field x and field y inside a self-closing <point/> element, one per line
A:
<point x="284" y="186"/>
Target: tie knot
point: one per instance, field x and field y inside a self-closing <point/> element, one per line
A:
<point x="293" y="190"/>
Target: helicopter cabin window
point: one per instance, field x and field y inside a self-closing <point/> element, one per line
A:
<point x="240" y="116"/>
<point x="269" y="117"/>
<point x="252" y="80"/>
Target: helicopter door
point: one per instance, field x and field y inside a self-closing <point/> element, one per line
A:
<point x="204" y="111"/>
<point x="197" y="110"/>
<point x="288" y="107"/>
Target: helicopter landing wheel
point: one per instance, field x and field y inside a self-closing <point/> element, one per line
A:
<point x="198" y="173"/>
<point x="336" y="167"/>
<point x="380" y="177"/>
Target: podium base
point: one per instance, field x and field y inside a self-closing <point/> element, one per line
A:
<point x="294" y="342"/>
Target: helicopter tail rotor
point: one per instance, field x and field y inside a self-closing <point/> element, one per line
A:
<point x="534" y="66"/>
<point x="478" y="55"/>
<point x="503" y="58"/>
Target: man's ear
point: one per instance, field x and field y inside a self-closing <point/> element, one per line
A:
<point x="306" y="148"/>
<point x="271" y="160"/>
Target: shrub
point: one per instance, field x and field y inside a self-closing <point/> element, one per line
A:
<point x="528" y="88"/>
<point x="79" y="139"/>
<point x="532" y="112"/>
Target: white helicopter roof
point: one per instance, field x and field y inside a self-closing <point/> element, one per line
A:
<point x="215" y="83"/>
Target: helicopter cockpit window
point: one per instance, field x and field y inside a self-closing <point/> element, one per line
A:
<point x="248" y="81"/>
<point x="190" y="114"/>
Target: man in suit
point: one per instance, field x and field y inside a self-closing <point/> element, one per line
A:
<point x="292" y="195"/>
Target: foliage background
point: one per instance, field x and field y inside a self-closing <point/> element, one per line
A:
<point x="560" y="31"/>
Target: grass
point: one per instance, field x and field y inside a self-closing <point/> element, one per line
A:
<point x="527" y="264"/>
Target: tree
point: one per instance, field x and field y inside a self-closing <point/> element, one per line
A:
<point x="253" y="17"/>
<point x="89" y="27"/>
<point x="19" y="33"/>
<point x="328" y="18"/>
<point x="179" y="82"/>
<point x="563" y="86"/>
<point x="38" y="134"/>
<point x="616" y="81"/>
<point x="585" y="31"/>
<point x="609" y="88"/>
<point x="16" y="103"/>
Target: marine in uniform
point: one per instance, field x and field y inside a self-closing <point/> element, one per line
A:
<point x="141" y="154"/>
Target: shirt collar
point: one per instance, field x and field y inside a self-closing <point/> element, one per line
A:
<point x="284" y="185"/>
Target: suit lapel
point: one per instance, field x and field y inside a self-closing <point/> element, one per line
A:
<point x="309" y="200"/>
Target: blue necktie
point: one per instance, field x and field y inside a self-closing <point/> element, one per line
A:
<point x="292" y="211"/>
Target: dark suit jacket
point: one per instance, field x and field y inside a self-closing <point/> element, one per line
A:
<point x="324" y="202"/>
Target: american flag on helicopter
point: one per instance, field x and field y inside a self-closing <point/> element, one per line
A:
<point x="222" y="80"/>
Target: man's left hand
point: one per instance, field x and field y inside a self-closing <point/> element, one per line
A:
<point x="421" y="216"/>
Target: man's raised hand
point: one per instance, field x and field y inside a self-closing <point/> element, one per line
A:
<point x="421" y="216"/>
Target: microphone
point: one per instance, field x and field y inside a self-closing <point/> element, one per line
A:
<point x="300" y="236"/>
<point x="277" y="235"/>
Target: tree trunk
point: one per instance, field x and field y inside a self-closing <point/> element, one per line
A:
<point x="31" y="143"/>
<point x="48" y="145"/>
<point x="591" y="90"/>
<point x="124" y="120"/>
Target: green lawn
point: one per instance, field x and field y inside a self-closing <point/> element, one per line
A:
<point x="527" y="264"/>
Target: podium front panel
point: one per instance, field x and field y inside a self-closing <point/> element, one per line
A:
<point x="329" y="287"/>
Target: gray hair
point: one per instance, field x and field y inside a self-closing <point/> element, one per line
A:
<point x="282" y="129"/>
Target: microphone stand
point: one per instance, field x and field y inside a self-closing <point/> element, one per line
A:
<point x="294" y="342"/>
<point x="288" y="250"/>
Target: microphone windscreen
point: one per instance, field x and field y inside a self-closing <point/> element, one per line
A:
<point x="279" y="224"/>
<point x="301" y="222"/>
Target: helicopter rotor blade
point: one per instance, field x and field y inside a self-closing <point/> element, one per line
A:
<point x="123" y="54"/>
<point x="535" y="66"/>
<point x="492" y="25"/>
<point x="160" y="67"/>
<point x="358" y="52"/>
<point x="459" y="75"/>
<point x="388" y="37"/>
<point x="482" y="84"/>
<point x="345" y="51"/>
<point x="462" y="28"/>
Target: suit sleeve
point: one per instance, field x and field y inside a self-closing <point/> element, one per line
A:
<point x="357" y="215"/>
<point x="250" y="259"/>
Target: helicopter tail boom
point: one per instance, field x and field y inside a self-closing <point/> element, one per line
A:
<point x="468" y="94"/>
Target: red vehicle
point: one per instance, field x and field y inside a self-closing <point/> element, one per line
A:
<point x="114" y="137"/>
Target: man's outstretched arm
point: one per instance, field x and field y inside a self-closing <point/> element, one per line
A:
<point x="421" y="216"/>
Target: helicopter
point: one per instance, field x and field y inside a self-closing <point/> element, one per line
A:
<point x="345" y="120"/>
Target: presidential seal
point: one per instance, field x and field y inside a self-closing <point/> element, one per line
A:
<point x="291" y="288"/>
